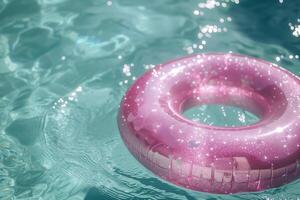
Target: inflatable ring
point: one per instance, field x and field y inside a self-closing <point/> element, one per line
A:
<point x="209" y="158"/>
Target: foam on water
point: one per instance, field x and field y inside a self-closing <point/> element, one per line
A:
<point x="62" y="78"/>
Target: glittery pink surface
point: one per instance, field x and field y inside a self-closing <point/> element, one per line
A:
<point x="209" y="158"/>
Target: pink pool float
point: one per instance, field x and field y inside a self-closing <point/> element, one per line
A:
<point x="209" y="158"/>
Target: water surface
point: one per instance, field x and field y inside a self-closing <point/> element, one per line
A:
<point x="64" y="66"/>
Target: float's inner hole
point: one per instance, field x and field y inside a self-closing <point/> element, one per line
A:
<point x="221" y="115"/>
<point x="223" y="105"/>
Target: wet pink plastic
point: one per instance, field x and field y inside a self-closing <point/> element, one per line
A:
<point x="208" y="158"/>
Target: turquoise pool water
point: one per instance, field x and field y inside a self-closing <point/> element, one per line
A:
<point x="65" y="64"/>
